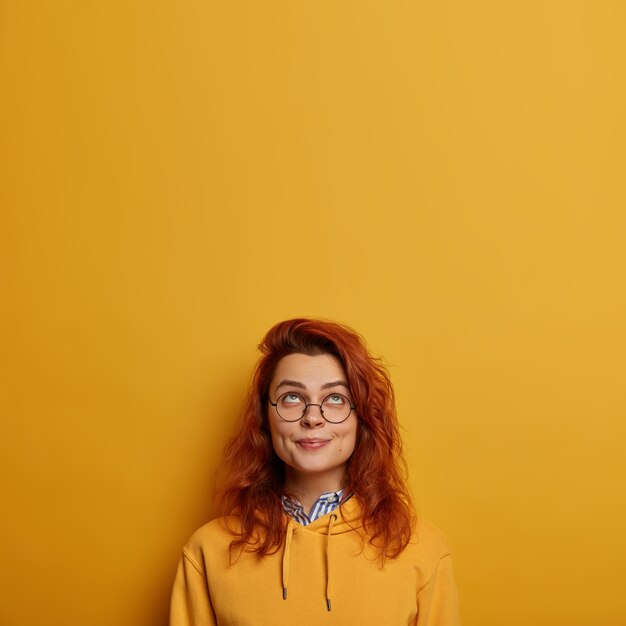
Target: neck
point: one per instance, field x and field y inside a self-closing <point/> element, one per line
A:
<point x="308" y="488"/>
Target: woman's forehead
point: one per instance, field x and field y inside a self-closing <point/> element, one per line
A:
<point x="309" y="371"/>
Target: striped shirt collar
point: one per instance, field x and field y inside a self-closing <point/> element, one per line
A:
<point x="326" y="503"/>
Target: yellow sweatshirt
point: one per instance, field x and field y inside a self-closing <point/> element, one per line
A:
<point x="322" y="574"/>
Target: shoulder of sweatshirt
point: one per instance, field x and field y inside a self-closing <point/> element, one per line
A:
<point x="217" y="530"/>
<point x="427" y="546"/>
<point x="429" y="540"/>
<point x="212" y="538"/>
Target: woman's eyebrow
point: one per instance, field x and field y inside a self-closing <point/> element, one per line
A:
<point x="290" y="383"/>
<point x="335" y="383"/>
<point x="299" y="385"/>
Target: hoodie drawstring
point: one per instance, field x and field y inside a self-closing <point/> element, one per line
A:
<point x="330" y="530"/>
<point x="286" y="556"/>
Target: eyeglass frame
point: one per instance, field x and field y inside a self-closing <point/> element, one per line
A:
<point x="308" y="404"/>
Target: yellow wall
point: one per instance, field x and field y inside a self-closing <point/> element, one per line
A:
<point x="447" y="177"/>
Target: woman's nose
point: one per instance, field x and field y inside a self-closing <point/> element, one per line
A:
<point x="313" y="415"/>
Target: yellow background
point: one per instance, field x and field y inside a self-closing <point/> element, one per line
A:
<point x="447" y="177"/>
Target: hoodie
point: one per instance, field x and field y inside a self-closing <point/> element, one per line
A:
<point x="324" y="573"/>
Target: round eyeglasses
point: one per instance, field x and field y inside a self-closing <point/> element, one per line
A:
<point x="291" y="407"/>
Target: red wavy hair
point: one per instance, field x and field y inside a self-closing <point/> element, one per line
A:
<point x="253" y="475"/>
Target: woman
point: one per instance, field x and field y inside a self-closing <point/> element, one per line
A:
<point x="318" y="526"/>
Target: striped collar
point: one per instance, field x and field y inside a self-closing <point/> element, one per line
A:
<point x="326" y="503"/>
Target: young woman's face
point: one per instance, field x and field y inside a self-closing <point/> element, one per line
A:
<point x="312" y="448"/>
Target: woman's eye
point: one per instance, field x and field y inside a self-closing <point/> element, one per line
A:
<point x="292" y="398"/>
<point x="335" y="399"/>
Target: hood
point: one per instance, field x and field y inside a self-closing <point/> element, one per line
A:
<point x="344" y="519"/>
<point x="347" y="519"/>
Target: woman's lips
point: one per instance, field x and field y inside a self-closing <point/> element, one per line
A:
<point x="312" y="444"/>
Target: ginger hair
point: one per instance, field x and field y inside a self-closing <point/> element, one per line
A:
<point x="253" y="475"/>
